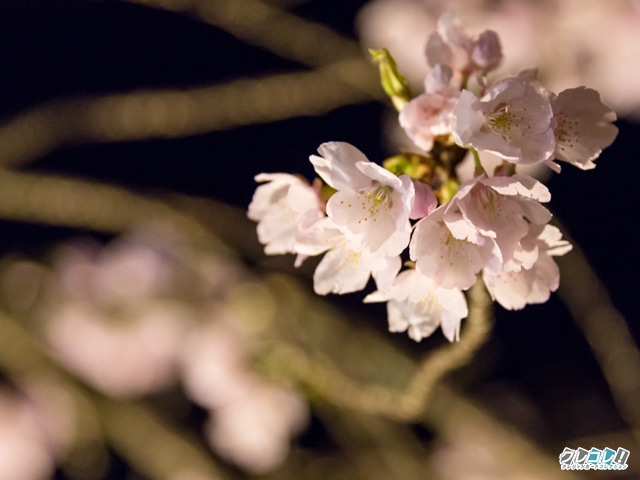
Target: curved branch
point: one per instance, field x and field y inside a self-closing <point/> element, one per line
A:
<point x="407" y="405"/>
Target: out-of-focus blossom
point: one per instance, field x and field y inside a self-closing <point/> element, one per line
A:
<point x="138" y="316"/>
<point x="124" y="357"/>
<point x="129" y="271"/>
<point x="254" y="431"/>
<point x="212" y="362"/>
<point x="465" y="54"/>
<point x="251" y="420"/>
<point x="598" y="40"/>
<point x="26" y="448"/>
<point x="111" y="318"/>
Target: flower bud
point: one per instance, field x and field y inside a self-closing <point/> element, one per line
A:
<point x="487" y="52"/>
<point x="393" y="83"/>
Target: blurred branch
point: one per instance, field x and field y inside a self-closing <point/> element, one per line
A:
<point x="179" y="113"/>
<point x="157" y="450"/>
<point x="76" y="203"/>
<point x="287" y="3"/>
<point x="455" y="418"/>
<point x="378" y="448"/>
<point x="344" y="76"/>
<point x="459" y="421"/>
<point x="606" y="332"/>
<point x="267" y="26"/>
<point x="407" y="405"/>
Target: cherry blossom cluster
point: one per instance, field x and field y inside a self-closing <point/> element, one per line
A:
<point x="364" y="216"/>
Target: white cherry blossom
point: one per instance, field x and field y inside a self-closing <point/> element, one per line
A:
<point x="344" y="270"/>
<point x="427" y="116"/>
<point x="417" y="305"/>
<point x="582" y="127"/>
<point x="346" y="267"/>
<point x="513" y="120"/>
<point x="371" y="205"/>
<point x="282" y="205"/>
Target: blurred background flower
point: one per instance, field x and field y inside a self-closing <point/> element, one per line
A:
<point x="571" y="42"/>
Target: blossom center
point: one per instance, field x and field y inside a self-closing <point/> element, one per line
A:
<point x="503" y="121"/>
<point x="374" y="200"/>
<point x="565" y="132"/>
<point x="429" y="305"/>
<point x="489" y="201"/>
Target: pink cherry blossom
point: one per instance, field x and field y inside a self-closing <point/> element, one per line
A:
<point x="465" y="54"/>
<point x="100" y="349"/>
<point x="487" y="51"/>
<point x="251" y="419"/>
<point x="25" y="450"/>
<point x="428" y="116"/>
<point x="582" y="126"/>
<point x="371" y="204"/>
<point x="515" y="289"/>
<point x="500" y="208"/>
<point x="425" y="202"/>
<point x="513" y="120"/>
<point x="417" y="305"/>
<point x="450" y="262"/>
<point x="254" y="431"/>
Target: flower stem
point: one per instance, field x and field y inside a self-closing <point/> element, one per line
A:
<point x="479" y="169"/>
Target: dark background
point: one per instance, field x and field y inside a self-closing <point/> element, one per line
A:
<point x="53" y="49"/>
